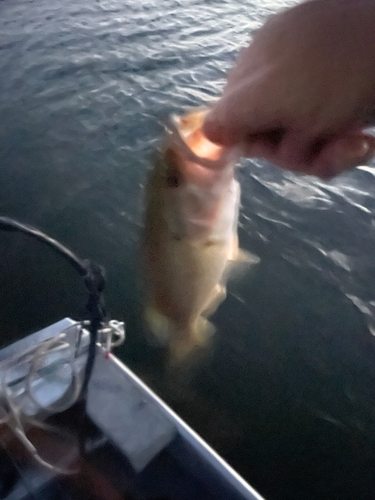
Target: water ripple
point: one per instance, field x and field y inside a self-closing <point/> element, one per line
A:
<point x="84" y="90"/>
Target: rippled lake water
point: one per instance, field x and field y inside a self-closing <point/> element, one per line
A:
<point x="286" y="394"/>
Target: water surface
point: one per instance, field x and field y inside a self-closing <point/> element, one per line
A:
<point x="286" y="394"/>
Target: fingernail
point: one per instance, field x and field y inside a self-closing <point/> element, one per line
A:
<point x="352" y="154"/>
<point x="362" y="149"/>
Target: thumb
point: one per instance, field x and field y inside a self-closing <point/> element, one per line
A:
<point x="242" y="111"/>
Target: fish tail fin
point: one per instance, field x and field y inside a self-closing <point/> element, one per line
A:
<point x="189" y="338"/>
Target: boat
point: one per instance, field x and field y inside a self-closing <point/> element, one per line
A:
<point x="77" y="424"/>
<point x="137" y="447"/>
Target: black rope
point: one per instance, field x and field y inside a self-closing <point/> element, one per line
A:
<point x="94" y="280"/>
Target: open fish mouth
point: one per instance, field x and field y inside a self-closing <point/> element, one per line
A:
<point x="198" y="149"/>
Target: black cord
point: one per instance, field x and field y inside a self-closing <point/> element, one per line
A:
<point x="11" y="225"/>
<point x="95" y="283"/>
<point x="94" y="280"/>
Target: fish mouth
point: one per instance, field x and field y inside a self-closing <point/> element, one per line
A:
<point x="185" y="135"/>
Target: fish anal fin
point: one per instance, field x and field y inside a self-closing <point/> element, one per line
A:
<point x="159" y="324"/>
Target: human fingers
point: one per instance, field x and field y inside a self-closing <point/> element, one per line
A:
<point x="342" y="154"/>
<point x="324" y="158"/>
<point x="244" y="109"/>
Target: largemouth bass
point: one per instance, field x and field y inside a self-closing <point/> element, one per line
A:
<point x="190" y="238"/>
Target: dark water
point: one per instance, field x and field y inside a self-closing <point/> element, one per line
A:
<point x="287" y="393"/>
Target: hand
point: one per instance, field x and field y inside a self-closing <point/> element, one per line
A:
<point x="303" y="91"/>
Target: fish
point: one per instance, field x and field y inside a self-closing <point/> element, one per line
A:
<point x="190" y="240"/>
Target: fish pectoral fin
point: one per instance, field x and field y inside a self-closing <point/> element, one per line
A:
<point x="245" y="257"/>
<point x="159" y="324"/>
<point x="237" y="254"/>
<point x="186" y="340"/>
<point x="233" y="248"/>
<point x="242" y="261"/>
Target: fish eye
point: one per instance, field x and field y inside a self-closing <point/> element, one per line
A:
<point x="173" y="179"/>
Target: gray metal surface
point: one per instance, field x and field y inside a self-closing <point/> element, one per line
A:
<point x="142" y="427"/>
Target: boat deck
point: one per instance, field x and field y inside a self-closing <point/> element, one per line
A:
<point x="135" y="447"/>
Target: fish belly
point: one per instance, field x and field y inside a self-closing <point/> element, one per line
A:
<point x="188" y="277"/>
